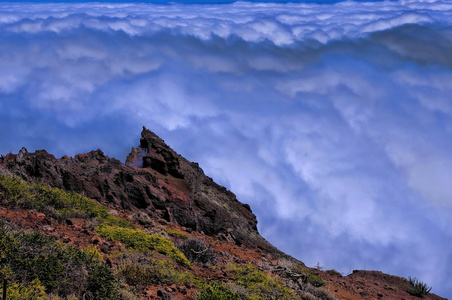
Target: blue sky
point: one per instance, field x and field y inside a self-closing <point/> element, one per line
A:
<point x="334" y="122"/>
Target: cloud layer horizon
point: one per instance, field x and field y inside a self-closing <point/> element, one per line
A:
<point x="334" y="122"/>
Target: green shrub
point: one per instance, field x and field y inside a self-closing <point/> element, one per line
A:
<point x="12" y="190"/>
<point x="101" y="283"/>
<point x="30" y="256"/>
<point x="309" y="277"/>
<point x="33" y="291"/>
<point x="260" y="285"/>
<point x="60" y="269"/>
<point x="90" y="254"/>
<point x="333" y="272"/>
<point x="8" y="245"/>
<point x="138" y="274"/>
<point x="48" y="268"/>
<point x="315" y="280"/>
<point x="176" y="233"/>
<point x="217" y="291"/>
<point x="140" y="240"/>
<point x="138" y="270"/>
<point x="418" y="288"/>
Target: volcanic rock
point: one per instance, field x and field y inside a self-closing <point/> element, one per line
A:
<point x="155" y="181"/>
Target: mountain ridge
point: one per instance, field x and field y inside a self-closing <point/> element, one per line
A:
<point x="167" y="186"/>
<point x="156" y="186"/>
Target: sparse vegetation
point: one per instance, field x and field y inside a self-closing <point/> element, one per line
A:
<point x="139" y="270"/>
<point x="101" y="282"/>
<point x="319" y="266"/>
<point x="16" y="192"/>
<point x="142" y="218"/>
<point x="334" y="273"/>
<point x="32" y="291"/>
<point x="310" y="292"/>
<point x="197" y="251"/>
<point x="418" y="288"/>
<point x="36" y="265"/>
<point x="163" y="221"/>
<point x="312" y="285"/>
<point x="259" y="285"/>
<point x="315" y="280"/>
<point x="176" y="233"/>
<point x="310" y="277"/>
<point x="217" y="291"/>
<point x="140" y="240"/>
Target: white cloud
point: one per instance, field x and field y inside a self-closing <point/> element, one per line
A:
<point x="430" y="178"/>
<point x="333" y="121"/>
<point x="283" y="24"/>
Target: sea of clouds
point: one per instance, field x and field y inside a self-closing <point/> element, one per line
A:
<point x="334" y="122"/>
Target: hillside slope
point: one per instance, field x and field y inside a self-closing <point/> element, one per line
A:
<point x="154" y="228"/>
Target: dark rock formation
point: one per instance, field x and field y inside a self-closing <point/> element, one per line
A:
<point x="155" y="154"/>
<point x="155" y="181"/>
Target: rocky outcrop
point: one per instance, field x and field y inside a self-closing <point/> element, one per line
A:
<point x="154" y="153"/>
<point x="155" y="181"/>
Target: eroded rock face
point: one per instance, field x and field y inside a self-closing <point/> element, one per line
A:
<point x="155" y="154"/>
<point x="155" y="180"/>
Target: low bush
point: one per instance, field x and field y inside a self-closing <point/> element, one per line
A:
<point x="176" y="233"/>
<point x="260" y="285"/>
<point x="61" y="270"/>
<point x="198" y="251"/>
<point x="418" y="288"/>
<point x="138" y="270"/>
<point x="311" y="278"/>
<point x="310" y="292"/>
<point x="127" y="295"/>
<point x="315" y="280"/>
<point x="32" y="291"/>
<point x="12" y="190"/>
<point x="140" y="240"/>
<point x="333" y="272"/>
<point x="101" y="282"/>
<point x="217" y="291"/>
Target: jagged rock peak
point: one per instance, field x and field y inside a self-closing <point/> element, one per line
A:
<point x="155" y="154"/>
